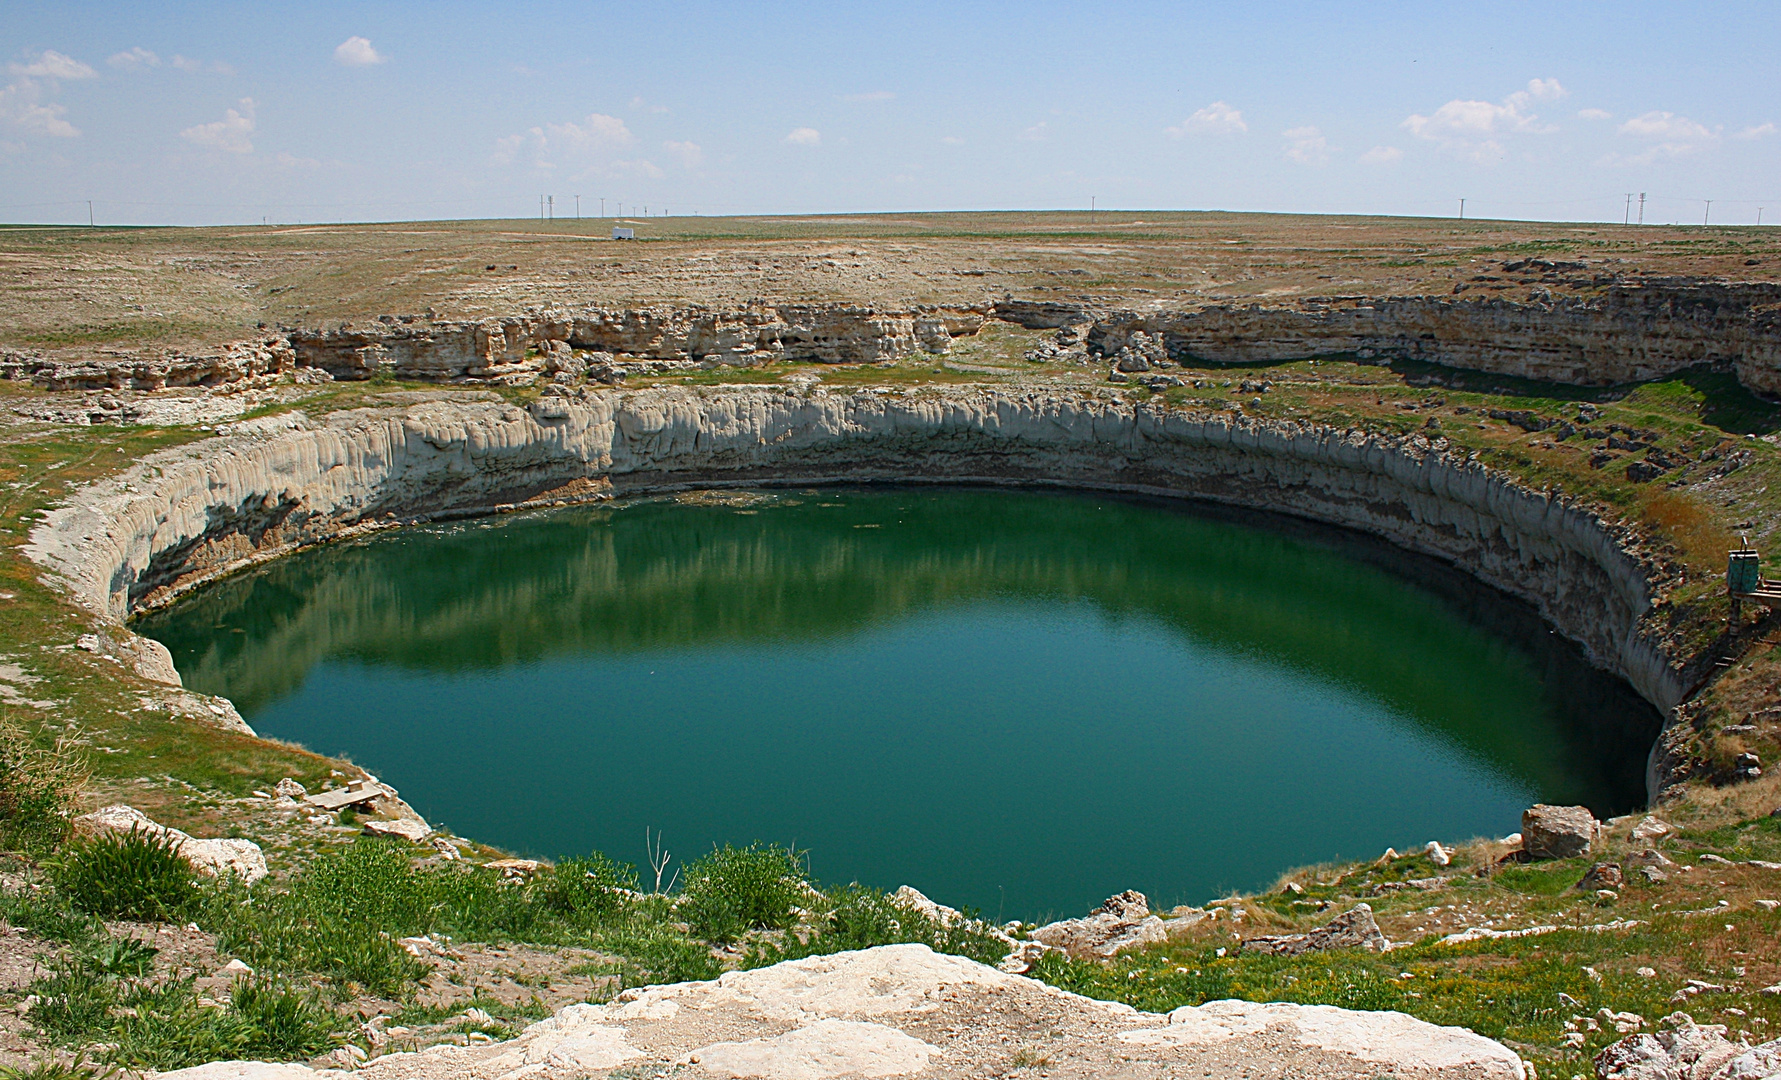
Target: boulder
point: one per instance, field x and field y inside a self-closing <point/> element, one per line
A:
<point x="1353" y="929"/>
<point x="1604" y="875"/>
<point x="1121" y="922"/>
<point x="1689" y="1052"/>
<point x="1558" y="832"/>
<point x="1650" y="828"/>
<point x="413" y="831"/>
<point x="907" y="896"/>
<point x="290" y="789"/>
<point x="212" y="858"/>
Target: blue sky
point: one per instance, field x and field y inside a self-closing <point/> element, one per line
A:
<point x="216" y="113"/>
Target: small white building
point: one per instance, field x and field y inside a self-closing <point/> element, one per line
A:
<point x="623" y="234"/>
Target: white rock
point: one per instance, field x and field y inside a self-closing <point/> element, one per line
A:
<point x="1650" y="828"/>
<point x="290" y="789"/>
<point x="413" y="831"/>
<point x="235" y="967"/>
<point x="911" y="898"/>
<point x="212" y="858"/>
<point x="1384" y="1038"/>
<point x="824" y="1050"/>
<point x="1437" y="854"/>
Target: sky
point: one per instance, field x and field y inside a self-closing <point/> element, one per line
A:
<point x="194" y="113"/>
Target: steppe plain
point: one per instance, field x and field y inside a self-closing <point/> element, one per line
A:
<point x="1697" y="937"/>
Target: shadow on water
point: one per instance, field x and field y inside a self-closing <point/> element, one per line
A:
<point x="1050" y="694"/>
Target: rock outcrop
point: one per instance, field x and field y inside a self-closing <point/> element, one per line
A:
<point x="902" y="1010"/>
<point x="1353" y="929"/>
<point x="520" y="348"/>
<point x="183" y="516"/>
<point x="1688" y="1052"/>
<point x="1622" y="333"/>
<point x="212" y="858"/>
<point x="238" y="364"/>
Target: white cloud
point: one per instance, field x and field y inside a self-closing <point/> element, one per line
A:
<point x="231" y="134"/>
<point x="1668" y="126"/>
<point x="689" y="153"/>
<point x="1217" y="118"/>
<point x="357" y="52"/>
<point x="53" y="65"/>
<point x="1758" y="132"/>
<point x="639" y="103"/>
<point x="21" y="108"/>
<point x="1038" y="132"/>
<point x="1472" y="128"/>
<point x="875" y="95"/>
<point x="1306" y="145"/>
<point x="585" y="148"/>
<point x="951" y="140"/>
<point x="1382" y="155"/>
<point x="804" y="137"/>
<point x="134" y="60"/>
<point x="186" y="63"/>
<point x="1594" y="114"/>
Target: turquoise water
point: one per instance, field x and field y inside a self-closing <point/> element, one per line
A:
<point x="1021" y="702"/>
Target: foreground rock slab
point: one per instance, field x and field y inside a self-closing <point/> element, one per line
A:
<point x="903" y="1010"/>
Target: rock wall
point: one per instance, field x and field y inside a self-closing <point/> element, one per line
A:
<point x="1626" y="333"/>
<point x="524" y="346"/>
<point x="184" y="516"/>
<point x="238" y="363"/>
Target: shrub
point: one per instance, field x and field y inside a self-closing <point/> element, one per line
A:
<point x="135" y="875"/>
<point x="121" y="958"/>
<point x="733" y="890"/>
<point x="654" y="955"/>
<point x="281" y="1023"/>
<point x="48" y="1068"/>
<point x="588" y="886"/>
<point x="861" y="918"/>
<point x="38" y="787"/>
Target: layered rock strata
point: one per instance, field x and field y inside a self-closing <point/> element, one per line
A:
<point x="1625" y="333"/>
<point x="183" y="516"/>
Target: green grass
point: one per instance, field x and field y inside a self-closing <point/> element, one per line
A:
<point x="135" y="875"/>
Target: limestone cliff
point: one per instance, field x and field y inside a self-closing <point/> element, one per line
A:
<point x="183" y="516"/>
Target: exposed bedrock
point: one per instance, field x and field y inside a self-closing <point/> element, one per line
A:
<point x="526" y="346"/>
<point x="1624" y="334"/>
<point x="184" y="516"/>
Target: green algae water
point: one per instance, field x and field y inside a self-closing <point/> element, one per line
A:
<point x="1017" y="701"/>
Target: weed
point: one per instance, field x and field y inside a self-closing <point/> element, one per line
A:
<point x="38" y="787"/>
<point x="282" y="1023"/>
<point x="49" y="915"/>
<point x="593" y="884"/>
<point x="48" y="1068"/>
<point x="135" y="875"/>
<point x="733" y="890"/>
<point x="121" y="958"/>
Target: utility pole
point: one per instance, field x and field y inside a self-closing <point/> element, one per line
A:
<point x="89" y="213"/>
<point x="602" y="209"/>
<point x="1091" y="209"/>
<point x="1462" y="209"/>
<point x="540" y="208"/>
<point x="1629" y="209"/>
<point x="1641" y="208"/>
<point x="578" y="208"/>
<point x="1708" y="212"/>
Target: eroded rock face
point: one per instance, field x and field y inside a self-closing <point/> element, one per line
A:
<point x="182" y="516"/>
<point x="1558" y="832"/>
<point x="1627" y="333"/>
<point x="240" y="363"/>
<point x="1353" y="929"/>
<point x="903" y="1010"/>
<point x="520" y="348"/>
<point x="212" y="858"/>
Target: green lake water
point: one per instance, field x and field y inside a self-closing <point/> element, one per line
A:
<point x="1017" y="701"/>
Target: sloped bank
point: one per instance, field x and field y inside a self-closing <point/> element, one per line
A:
<point x="266" y="487"/>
